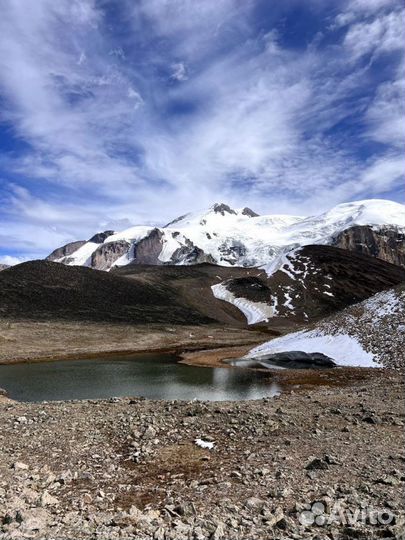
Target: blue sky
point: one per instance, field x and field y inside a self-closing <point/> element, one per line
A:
<point x="135" y="111"/>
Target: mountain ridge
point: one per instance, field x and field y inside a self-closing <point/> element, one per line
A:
<point x="235" y="237"/>
<point x="240" y="237"/>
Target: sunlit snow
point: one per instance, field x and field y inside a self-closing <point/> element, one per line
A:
<point x="254" y="312"/>
<point x="234" y="238"/>
<point x="344" y="349"/>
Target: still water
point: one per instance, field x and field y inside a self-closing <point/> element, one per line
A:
<point x="154" y="376"/>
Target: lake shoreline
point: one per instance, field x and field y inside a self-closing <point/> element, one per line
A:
<point x="194" y="346"/>
<point x="150" y="376"/>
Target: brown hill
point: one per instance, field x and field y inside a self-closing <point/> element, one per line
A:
<point x="315" y="282"/>
<point x="44" y="290"/>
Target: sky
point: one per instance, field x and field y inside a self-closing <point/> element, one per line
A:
<point x="123" y="112"/>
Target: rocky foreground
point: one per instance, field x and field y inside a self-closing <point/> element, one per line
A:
<point x="318" y="462"/>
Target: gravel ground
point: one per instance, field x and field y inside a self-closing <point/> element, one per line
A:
<point x="130" y="468"/>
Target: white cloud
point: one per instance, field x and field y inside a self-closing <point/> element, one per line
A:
<point x="379" y="177"/>
<point x="179" y="72"/>
<point x="82" y="59"/>
<point x="385" y="33"/>
<point x="386" y="114"/>
<point x="367" y="6"/>
<point x="11" y="260"/>
<point x="136" y="97"/>
<point x="254" y="126"/>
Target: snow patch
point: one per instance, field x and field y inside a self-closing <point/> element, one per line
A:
<point x="288" y="299"/>
<point x="283" y="263"/>
<point x="82" y="256"/>
<point x="204" y="444"/>
<point x="254" y="312"/>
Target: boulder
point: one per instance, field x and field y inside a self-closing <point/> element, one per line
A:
<point x="296" y="360"/>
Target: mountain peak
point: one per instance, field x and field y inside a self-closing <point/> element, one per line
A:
<point x="100" y="237"/>
<point x="221" y="208"/>
<point x="249" y="212"/>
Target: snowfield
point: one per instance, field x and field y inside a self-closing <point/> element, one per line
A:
<point x="239" y="237"/>
<point x="368" y="334"/>
<point x="344" y="349"/>
<point x="82" y="256"/>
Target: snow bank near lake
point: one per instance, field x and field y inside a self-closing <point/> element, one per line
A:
<point x="344" y="349"/>
<point x="368" y="334"/>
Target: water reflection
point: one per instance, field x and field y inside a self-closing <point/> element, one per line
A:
<point x="154" y="376"/>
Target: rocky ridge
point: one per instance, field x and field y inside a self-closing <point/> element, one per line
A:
<point x="313" y="282"/>
<point x="240" y="237"/>
<point x="308" y="283"/>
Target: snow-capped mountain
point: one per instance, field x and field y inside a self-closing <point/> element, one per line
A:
<point x="230" y="237"/>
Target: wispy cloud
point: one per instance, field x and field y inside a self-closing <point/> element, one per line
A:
<point x="134" y="112"/>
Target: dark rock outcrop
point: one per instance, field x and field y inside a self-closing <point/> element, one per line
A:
<point x="386" y="243"/>
<point x="106" y="254"/>
<point x="180" y="218"/>
<point x="249" y="212"/>
<point x="4" y="266"/>
<point x="221" y="208"/>
<point x="65" y="250"/>
<point x="252" y="288"/>
<point x="147" y="250"/>
<point x="100" y="237"/>
<point x="232" y="251"/>
<point x="190" y="254"/>
<point x="287" y="359"/>
<point x="299" y="360"/>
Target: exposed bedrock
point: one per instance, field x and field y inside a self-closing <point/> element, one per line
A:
<point x="100" y="237"/>
<point x="387" y="243"/>
<point x="65" y="250"/>
<point x="107" y="254"/>
<point x="221" y="208"/>
<point x="190" y="254"/>
<point x="147" y="250"/>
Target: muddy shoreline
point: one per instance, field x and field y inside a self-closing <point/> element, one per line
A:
<point x="26" y="341"/>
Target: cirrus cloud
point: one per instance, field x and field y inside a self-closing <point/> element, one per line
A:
<point x="122" y="112"/>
